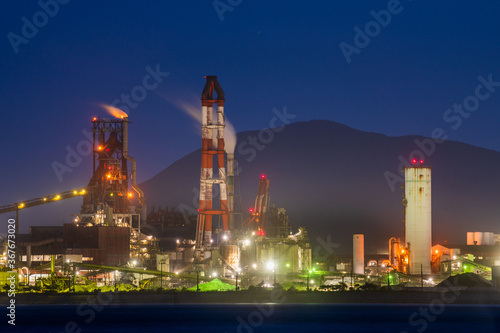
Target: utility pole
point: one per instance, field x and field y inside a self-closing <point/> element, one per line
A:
<point x="421" y="277"/>
<point x="161" y="275"/>
<point x="352" y="268"/>
<point x="74" y="273"/>
<point x="274" y="271"/>
<point x="308" y="272"/>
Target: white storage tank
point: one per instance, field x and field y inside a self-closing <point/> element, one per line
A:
<point x="418" y="218"/>
<point x="358" y="253"/>
<point x="470" y="238"/>
<point x="489" y="238"/>
<point x="478" y="238"/>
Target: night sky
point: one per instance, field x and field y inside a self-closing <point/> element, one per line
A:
<point x="267" y="54"/>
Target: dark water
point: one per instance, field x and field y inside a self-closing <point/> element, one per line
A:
<point x="254" y="318"/>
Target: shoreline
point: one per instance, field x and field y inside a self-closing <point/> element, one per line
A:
<point x="446" y="296"/>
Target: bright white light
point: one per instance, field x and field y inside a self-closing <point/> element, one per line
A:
<point x="178" y="241"/>
<point x="312" y="281"/>
<point x="270" y="265"/>
<point x="211" y="241"/>
<point x="224" y="237"/>
<point x="246" y="242"/>
<point x="254" y="266"/>
<point x="238" y="269"/>
<point x="253" y="233"/>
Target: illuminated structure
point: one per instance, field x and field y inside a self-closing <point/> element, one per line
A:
<point x="113" y="198"/>
<point x="108" y="200"/>
<point x="398" y="255"/>
<point x="418" y="219"/>
<point x="358" y="254"/>
<point x="212" y="146"/>
<point x="258" y="223"/>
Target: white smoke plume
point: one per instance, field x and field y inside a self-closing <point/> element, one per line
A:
<point x="194" y="111"/>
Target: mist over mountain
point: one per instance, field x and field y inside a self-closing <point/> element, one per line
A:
<point x="333" y="180"/>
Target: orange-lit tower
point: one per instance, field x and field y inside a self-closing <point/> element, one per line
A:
<point x="212" y="146"/>
<point x="261" y="207"/>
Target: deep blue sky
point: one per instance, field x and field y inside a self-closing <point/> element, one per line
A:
<point x="267" y="54"/>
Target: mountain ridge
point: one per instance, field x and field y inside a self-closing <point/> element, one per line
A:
<point x="330" y="178"/>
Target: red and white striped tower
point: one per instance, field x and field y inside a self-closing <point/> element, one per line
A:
<point x="212" y="145"/>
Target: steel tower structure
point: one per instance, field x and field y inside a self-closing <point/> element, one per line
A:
<point x="212" y="152"/>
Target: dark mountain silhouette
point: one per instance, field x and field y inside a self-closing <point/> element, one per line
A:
<point x="330" y="178"/>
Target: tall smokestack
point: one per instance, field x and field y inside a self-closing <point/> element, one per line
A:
<point x="418" y="223"/>
<point x="133" y="173"/>
<point x="212" y="130"/>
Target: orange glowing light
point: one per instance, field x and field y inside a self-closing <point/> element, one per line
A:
<point x="115" y="112"/>
<point x="130" y="195"/>
<point x="94" y="119"/>
<point x="99" y="148"/>
<point x="108" y="175"/>
<point x="437" y="251"/>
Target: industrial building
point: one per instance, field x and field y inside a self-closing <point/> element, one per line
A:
<point x="113" y="230"/>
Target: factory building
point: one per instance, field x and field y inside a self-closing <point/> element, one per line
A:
<point x="418" y="217"/>
<point x="95" y="245"/>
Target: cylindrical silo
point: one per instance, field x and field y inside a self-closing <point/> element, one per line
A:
<point x="418" y="218"/>
<point x="489" y="238"/>
<point x="478" y="238"/>
<point x="358" y="254"/>
<point x="470" y="238"/>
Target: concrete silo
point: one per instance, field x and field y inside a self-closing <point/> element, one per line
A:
<point x="418" y="219"/>
<point x="358" y="254"/>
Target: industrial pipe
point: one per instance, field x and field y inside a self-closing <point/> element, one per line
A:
<point x="133" y="173"/>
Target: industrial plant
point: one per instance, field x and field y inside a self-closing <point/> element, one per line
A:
<point x="114" y="240"/>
